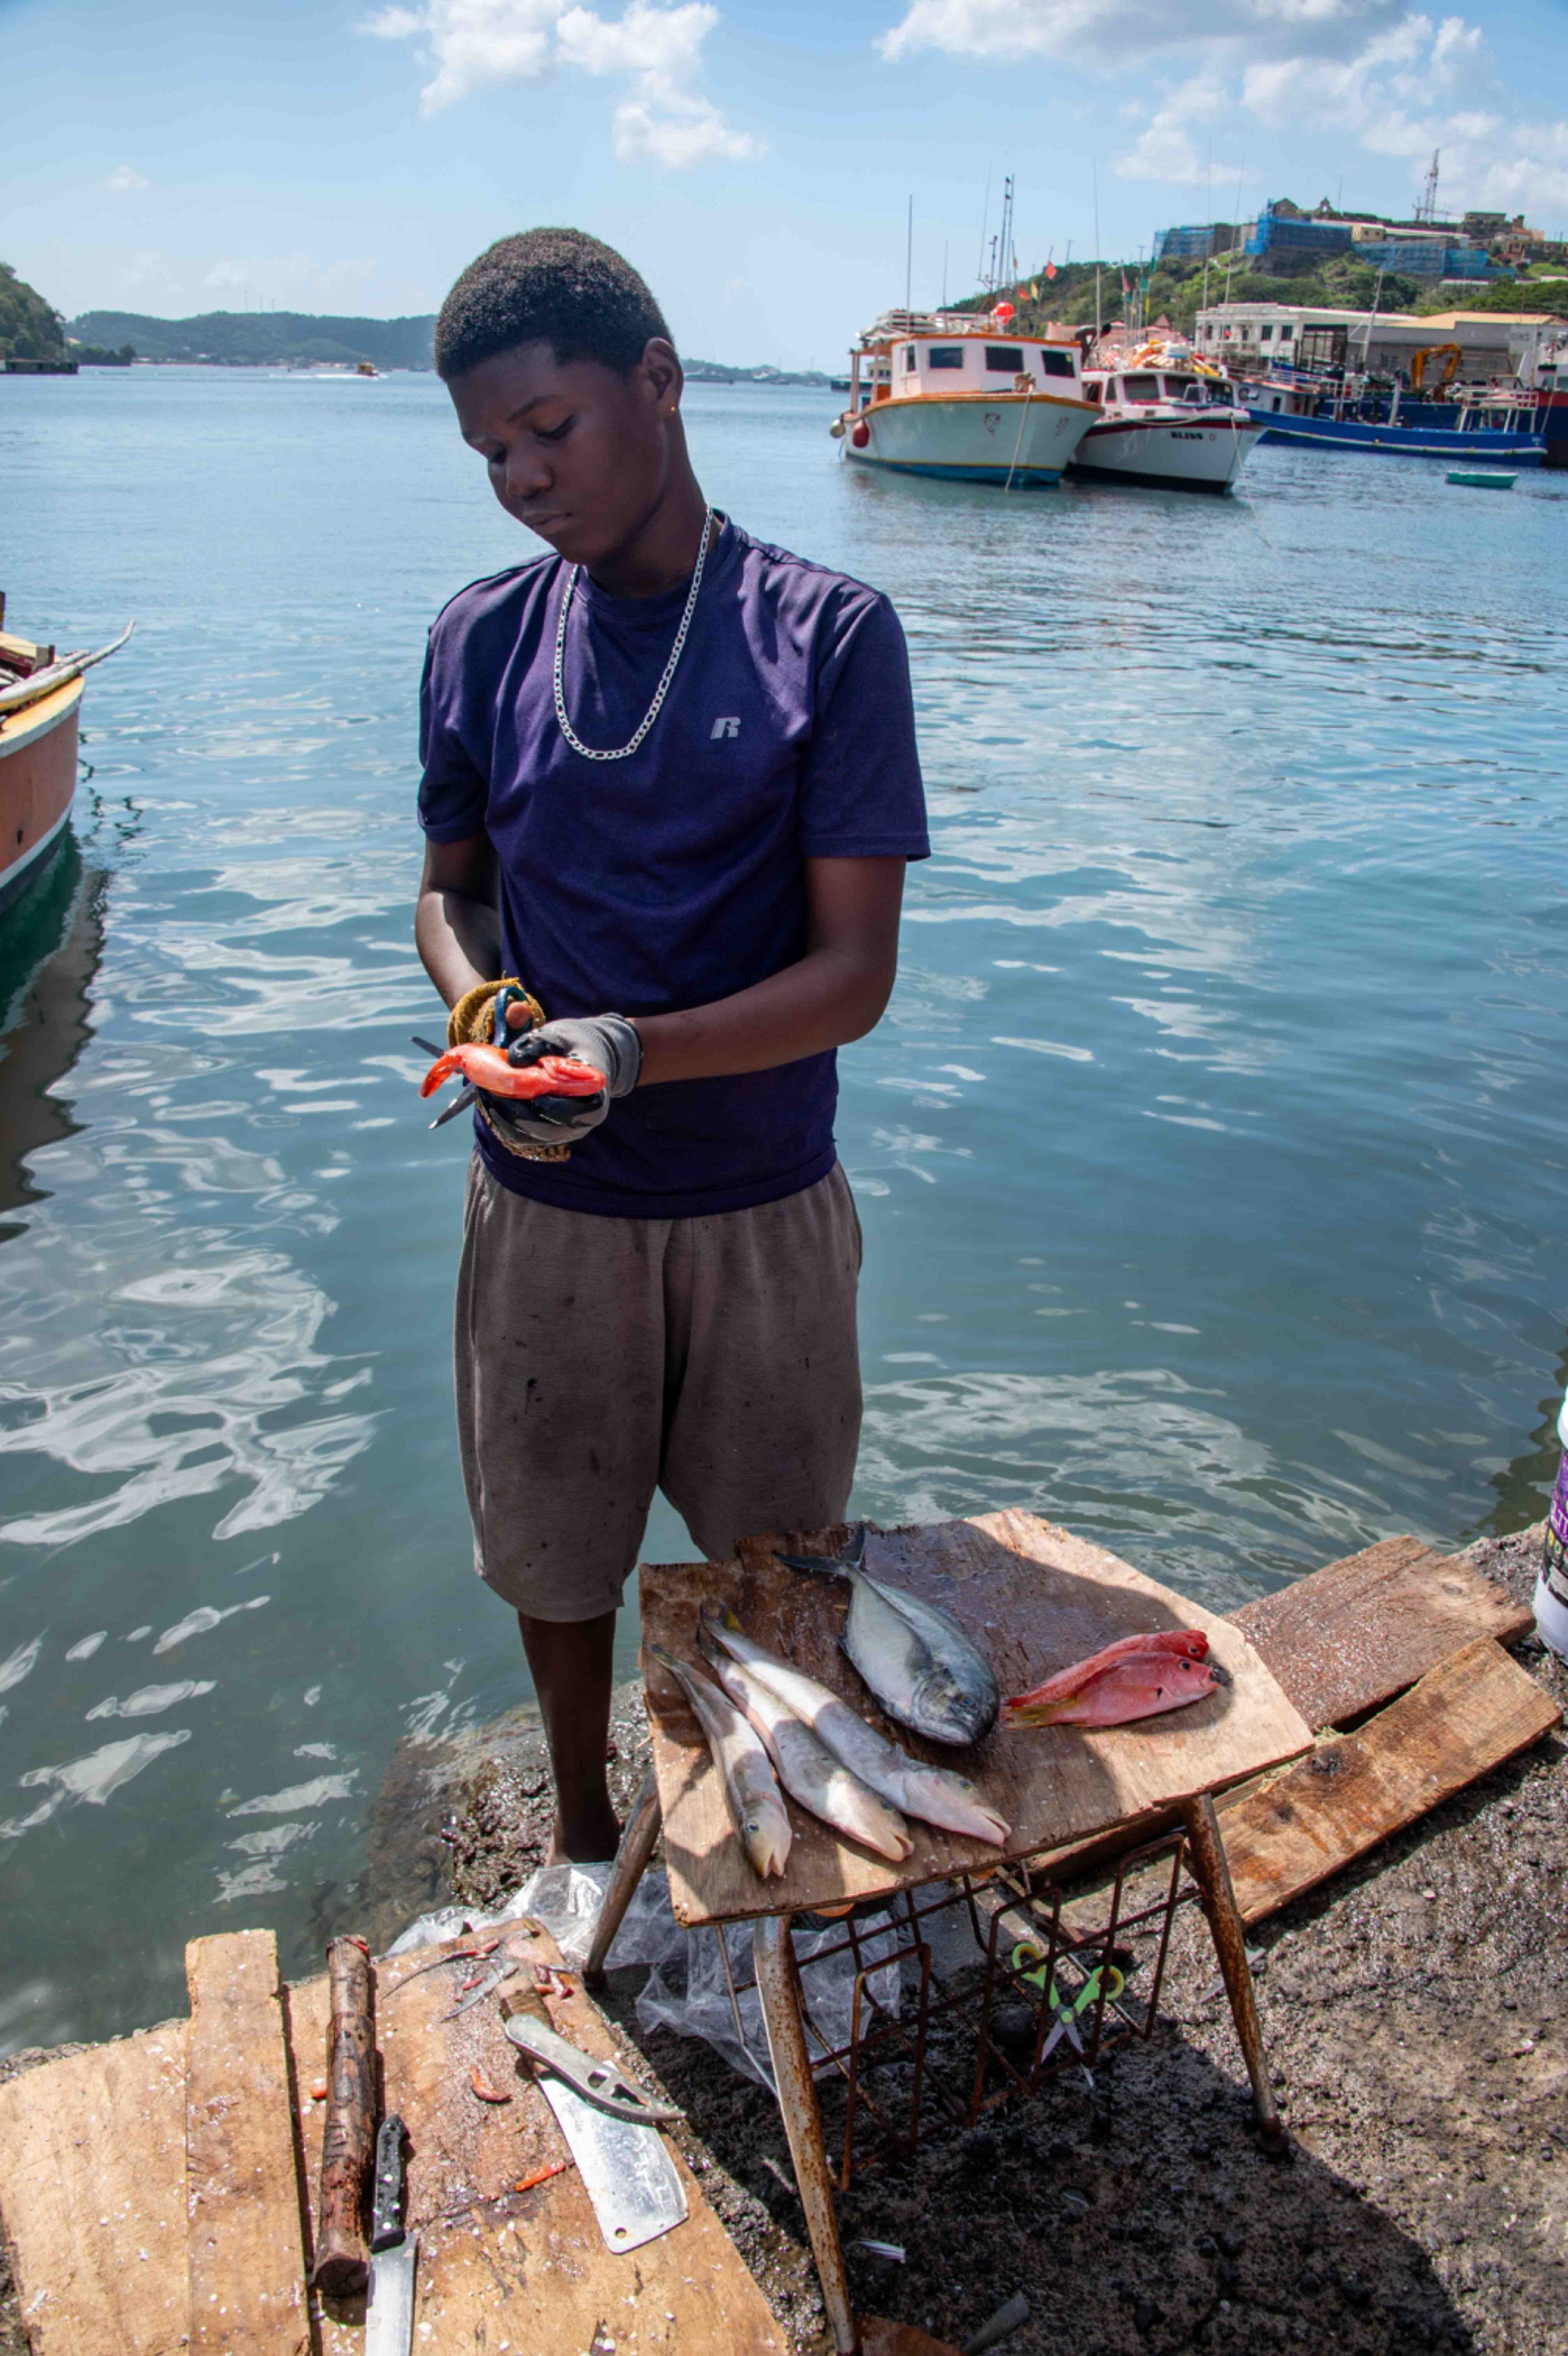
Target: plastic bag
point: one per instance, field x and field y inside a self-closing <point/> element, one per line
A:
<point x="686" y="1989"/>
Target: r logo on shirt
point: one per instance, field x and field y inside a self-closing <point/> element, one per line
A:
<point x="724" y="728"/>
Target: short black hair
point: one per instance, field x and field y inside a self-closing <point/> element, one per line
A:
<point x="551" y="287"/>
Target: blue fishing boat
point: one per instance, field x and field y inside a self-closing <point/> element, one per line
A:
<point x="1350" y="413"/>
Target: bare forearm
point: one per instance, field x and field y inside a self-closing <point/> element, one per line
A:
<point x="829" y="998"/>
<point x="458" y="939"/>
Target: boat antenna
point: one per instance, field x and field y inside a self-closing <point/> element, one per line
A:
<point x="944" y="274"/>
<point x="910" y="264"/>
<point x="1208" y="247"/>
<point x="1230" y="254"/>
<point x="1371" y="323"/>
<point x="1095" y="171"/>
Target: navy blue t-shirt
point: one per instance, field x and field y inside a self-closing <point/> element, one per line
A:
<point x="677" y="876"/>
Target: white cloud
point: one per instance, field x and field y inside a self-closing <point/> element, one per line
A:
<point x="288" y="281"/>
<point x="125" y="182"/>
<point x="473" y="44"/>
<point x="1396" y="81"/>
<point x="1166" y="150"/>
<point x="1113" y="33"/>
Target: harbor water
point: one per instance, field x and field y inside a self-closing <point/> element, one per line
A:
<point x="1210" y="1157"/>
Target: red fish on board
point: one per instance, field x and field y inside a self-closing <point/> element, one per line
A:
<point x="1139" y="1676"/>
<point x="487" y="1068"/>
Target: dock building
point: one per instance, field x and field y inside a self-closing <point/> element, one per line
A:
<point x="1253" y="334"/>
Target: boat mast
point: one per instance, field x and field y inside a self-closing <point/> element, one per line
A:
<point x="1371" y="323"/>
<point x="910" y="264"/>
<point x="1095" y="169"/>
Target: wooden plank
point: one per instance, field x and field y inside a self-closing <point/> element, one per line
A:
<point x="92" y="2192"/>
<point x="1357" y="1632"/>
<point x="1034" y="1598"/>
<point x="497" y="2266"/>
<point x="1464" y="1717"/>
<point x="245" y="2248"/>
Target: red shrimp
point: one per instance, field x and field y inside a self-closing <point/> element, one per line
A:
<point x="552" y="1075"/>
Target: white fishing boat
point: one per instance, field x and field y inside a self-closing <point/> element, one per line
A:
<point x="966" y="397"/>
<point x="1165" y="420"/>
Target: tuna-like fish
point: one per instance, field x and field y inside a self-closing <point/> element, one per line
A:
<point x="936" y="1794"/>
<point x="918" y="1661"/>
<point x="1141" y="1676"/>
<point x="750" y="1787"/>
<point x="807" y="1767"/>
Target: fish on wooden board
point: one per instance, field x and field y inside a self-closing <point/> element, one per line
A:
<point x="920" y="1665"/>
<point x="806" y="1767"/>
<point x="1138" y="1676"/>
<point x="751" y="1790"/>
<point x="936" y="1794"/>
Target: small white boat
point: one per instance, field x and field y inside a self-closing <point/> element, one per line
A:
<point x="965" y="397"/>
<point x="1166" y="423"/>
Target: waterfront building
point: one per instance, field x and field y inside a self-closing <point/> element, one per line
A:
<point x="1250" y="334"/>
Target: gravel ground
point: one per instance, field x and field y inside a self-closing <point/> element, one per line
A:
<point x="1416" y="2019"/>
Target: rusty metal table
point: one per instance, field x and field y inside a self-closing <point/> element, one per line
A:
<point x="1034" y="1598"/>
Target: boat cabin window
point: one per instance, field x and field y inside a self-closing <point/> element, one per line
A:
<point x="908" y="357"/>
<point x="1140" y="388"/>
<point x="1091" y="393"/>
<point x="1057" y="363"/>
<point x="1005" y="359"/>
<point x="945" y="356"/>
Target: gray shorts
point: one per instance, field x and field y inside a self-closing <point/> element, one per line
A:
<point x="598" y="1359"/>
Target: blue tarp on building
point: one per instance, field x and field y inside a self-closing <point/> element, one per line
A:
<point x="1192" y="244"/>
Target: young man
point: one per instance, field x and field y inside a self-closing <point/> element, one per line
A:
<point x="670" y="786"/>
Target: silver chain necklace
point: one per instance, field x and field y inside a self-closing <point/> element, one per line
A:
<point x="589" y="752"/>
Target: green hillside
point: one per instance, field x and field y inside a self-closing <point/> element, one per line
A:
<point x="260" y="339"/>
<point x="30" y="329"/>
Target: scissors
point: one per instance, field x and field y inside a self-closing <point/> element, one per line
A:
<point x="1029" y="1961"/>
<point x="509" y="994"/>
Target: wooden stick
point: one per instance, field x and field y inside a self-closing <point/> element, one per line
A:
<point x="342" y="2261"/>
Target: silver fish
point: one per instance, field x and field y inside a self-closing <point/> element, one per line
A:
<point x="807" y="1767"/>
<point x="918" y="1661"/>
<point x="936" y="1794"/>
<point x="750" y="1787"/>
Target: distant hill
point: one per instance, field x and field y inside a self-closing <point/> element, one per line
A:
<point x="273" y="339"/>
<point x="30" y="329"/>
<point x="261" y="338"/>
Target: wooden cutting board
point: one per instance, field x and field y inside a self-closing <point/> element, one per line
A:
<point x="498" y="2267"/>
<point x="1035" y="1599"/>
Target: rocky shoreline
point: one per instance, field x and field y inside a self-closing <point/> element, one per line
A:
<point x="1416" y="2017"/>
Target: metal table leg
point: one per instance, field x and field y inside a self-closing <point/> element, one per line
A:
<point x="778" y="1985"/>
<point x="1212" y="1874"/>
<point x="636" y="1845"/>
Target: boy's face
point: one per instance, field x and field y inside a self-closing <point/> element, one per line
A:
<point x="579" y="455"/>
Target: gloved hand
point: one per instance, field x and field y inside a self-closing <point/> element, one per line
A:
<point x="607" y="1042"/>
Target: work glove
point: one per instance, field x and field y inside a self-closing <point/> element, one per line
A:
<point x="607" y="1041"/>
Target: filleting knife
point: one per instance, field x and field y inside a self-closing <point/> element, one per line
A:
<point x="395" y="2251"/>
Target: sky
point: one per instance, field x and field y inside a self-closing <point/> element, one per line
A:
<point x="755" y="161"/>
